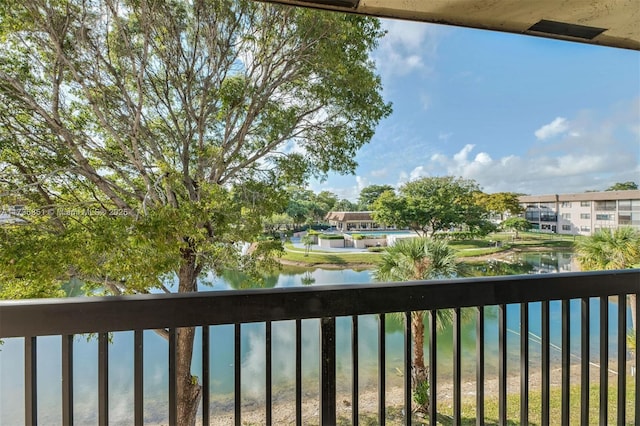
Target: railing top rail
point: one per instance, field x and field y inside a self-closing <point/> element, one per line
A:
<point x="103" y="314"/>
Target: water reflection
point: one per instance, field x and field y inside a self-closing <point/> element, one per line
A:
<point x="283" y="346"/>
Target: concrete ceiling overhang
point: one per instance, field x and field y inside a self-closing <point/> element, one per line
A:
<point x="613" y="23"/>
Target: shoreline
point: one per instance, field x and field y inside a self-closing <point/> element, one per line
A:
<point x="284" y="411"/>
<point x="359" y="266"/>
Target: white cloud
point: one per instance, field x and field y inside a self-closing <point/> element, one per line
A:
<point x="425" y="101"/>
<point x="587" y="153"/>
<point x="417" y="173"/>
<point x="444" y="136"/>
<point x="379" y="173"/>
<point x="361" y="182"/>
<point x="406" y="47"/>
<point x="556" y="127"/>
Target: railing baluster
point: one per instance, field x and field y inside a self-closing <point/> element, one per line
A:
<point x="524" y="363"/>
<point x="502" y="364"/>
<point x="566" y="361"/>
<point x="457" y="371"/>
<point x="584" y="361"/>
<point x="173" y="378"/>
<point x="327" y="371"/>
<point x="381" y="370"/>
<point x="138" y="377"/>
<point x="622" y="358"/>
<point x="546" y="364"/>
<point x="322" y="302"/>
<point x="67" y="379"/>
<point x="407" y="368"/>
<point x="636" y="390"/>
<point x="206" y="387"/>
<point x="237" y="367"/>
<point x="31" y="380"/>
<point x="299" y="372"/>
<point x="268" y="374"/>
<point x="480" y="367"/>
<point x="604" y="359"/>
<point x="433" y="359"/>
<point x="354" y="370"/>
<point x="103" y="379"/>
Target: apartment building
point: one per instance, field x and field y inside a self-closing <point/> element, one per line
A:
<point x="584" y="213"/>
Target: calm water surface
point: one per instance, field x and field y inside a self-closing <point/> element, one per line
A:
<point x="283" y="344"/>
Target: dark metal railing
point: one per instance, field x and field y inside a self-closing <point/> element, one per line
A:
<point x="102" y="315"/>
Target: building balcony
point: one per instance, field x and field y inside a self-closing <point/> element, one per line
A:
<point x="582" y="303"/>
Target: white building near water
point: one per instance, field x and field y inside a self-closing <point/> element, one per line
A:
<point x="584" y="213"/>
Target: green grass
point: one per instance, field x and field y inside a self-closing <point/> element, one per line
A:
<point x="481" y="252"/>
<point x="469" y="244"/>
<point x="339" y="259"/>
<point x="394" y="414"/>
<point x="465" y="249"/>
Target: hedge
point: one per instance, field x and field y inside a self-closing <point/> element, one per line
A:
<point x="331" y="237"/>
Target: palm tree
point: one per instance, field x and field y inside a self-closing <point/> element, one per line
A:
<point x="418" y="259"/>
<point x="307" y="240"/>
<point x="607" y="249"/>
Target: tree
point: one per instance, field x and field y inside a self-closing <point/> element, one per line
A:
<point x="345" y="205"/>
<point x="322" y="204"/>
<point x="622" y="186"/>
<point x="278" y="221"/>
<point x="610" y="249"/>
<point x="300" y="205"/>
<point x="149" y="138"/>
<point x="410" y="260"/>
<point x="431" y="204"/>
<point x="389" y="209"/>
<point x="607" y="249"/>
<point x="369" y="194"/>
<point x="307" y="240"/>
<point x="516" y="224"/>
<point x="499" y="203"/>
<point x="306" y="206"/>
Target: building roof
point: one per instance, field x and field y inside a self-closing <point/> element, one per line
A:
<point x="583" y="196"/>
<point x="349" y="216"/>
<point x="613" y="23"/>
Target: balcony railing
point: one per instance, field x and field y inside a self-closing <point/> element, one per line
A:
<point x="67" y="317"/>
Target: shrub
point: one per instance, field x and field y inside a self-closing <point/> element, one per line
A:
<point x="330" y="237"/>
<point x="368" y="237"/>
<point x="376" y="249"/>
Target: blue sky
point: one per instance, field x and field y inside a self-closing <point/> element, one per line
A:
<point x="515" y="113"/>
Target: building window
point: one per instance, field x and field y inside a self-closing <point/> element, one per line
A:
<point x="585" y="229"/>
<point x="585" y="203"/>
<point x="566" y="215"/>
<point x="609" y="205"/>
<point x="604" y="217"/>
<point x="566" y="227"/>
<point x="629" y="205"/>
<point x="566" y="204"/>
<point x="585" y="215"/>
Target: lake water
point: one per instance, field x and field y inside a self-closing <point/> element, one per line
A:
<point x="283" y="343"/>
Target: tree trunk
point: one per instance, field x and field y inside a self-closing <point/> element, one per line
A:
<point x="634" y="314"/>
<point x="419" y="373"/>
<point x="188" y="388"/>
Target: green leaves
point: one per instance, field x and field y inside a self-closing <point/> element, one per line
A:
<point x="431" y="204"/>
<point x="610" y="249"/>
<point x="186" y="120"/>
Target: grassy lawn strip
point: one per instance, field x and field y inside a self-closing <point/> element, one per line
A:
<point x="465" y="249"/>
<point x="481" y="251"/>
<point x="340" y="259"/>
<point x="468" y="412"/>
